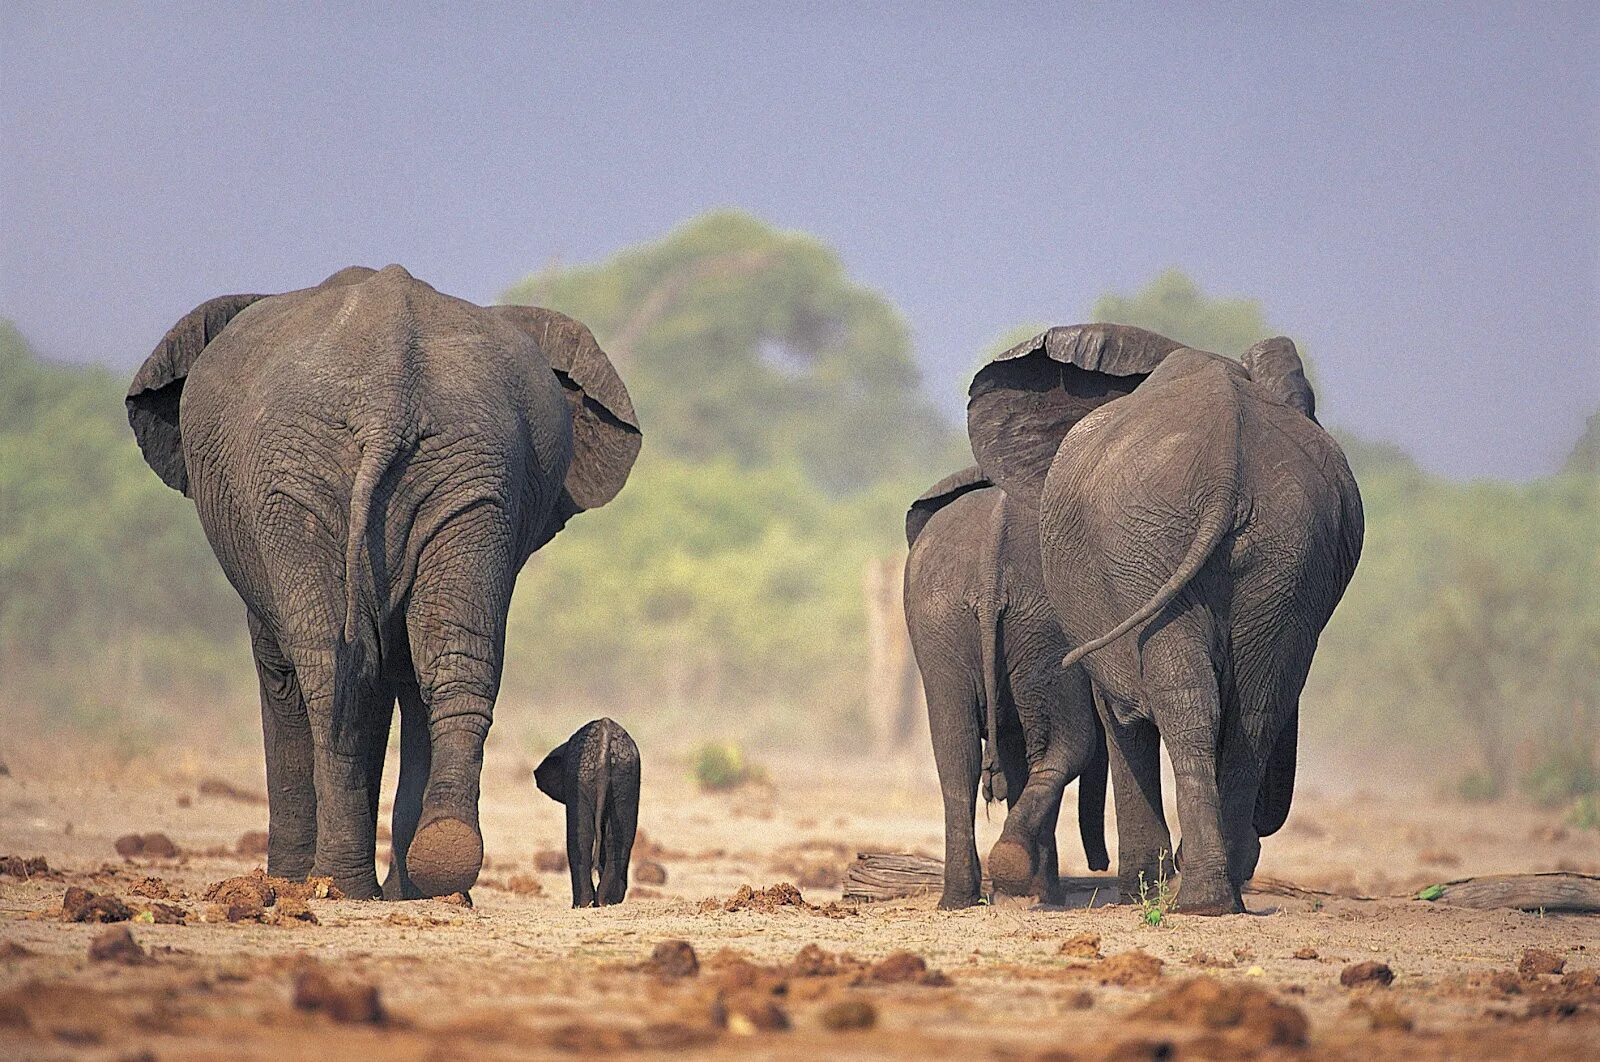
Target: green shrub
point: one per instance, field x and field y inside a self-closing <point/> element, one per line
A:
<point x="1585" y="813"/>
<point x="719" y="766"/>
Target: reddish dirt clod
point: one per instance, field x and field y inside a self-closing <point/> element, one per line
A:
<point x="1536" y="961"/>
<point x="152" y="889"/>
<point x="524" y="885"/>
<point x="812" y="961"/>
<point x="904" y="967"/>
<point x="117" y="945"/>
<point x="1081" y="946"/>
<point x="1305" y="953"/>
<point x="251" y="843"/>
<point x="290" y="911"/>
<point x="1130" y="968"/>
<point x="1207" y="960"/>
<point x="129" y="845"/>
<point x="650" y="873"/>
<point x="159" y="846"/>
<point x="1366" y="973"/>
<point x="350" y="1001"/>
<point x="550" y="861"/>
<point x="1249" y="1013"/>
<point x="81" y="905"/>
<point x="673" y="958"/>
<point x="24" y="866"/>
<point x="254" y="887"/>
<point x="849" y="1014"/>
<point x="747" y="1013"/>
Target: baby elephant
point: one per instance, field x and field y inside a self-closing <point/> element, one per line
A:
<point x="595" y="773"/>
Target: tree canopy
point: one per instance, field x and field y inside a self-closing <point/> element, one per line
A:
<point x="739" y="340"/>
<point x="1173" y="305"/>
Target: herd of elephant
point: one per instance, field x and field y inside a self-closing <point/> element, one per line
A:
<point x="1146" y="553"/>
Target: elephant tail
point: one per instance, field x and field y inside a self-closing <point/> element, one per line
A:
<point x="375" y="462"/>
<point x="1216" y="520"/>
<point x="602" y="793"/>
<point x="1092" y="804"/>
<point x="994" y="777"/>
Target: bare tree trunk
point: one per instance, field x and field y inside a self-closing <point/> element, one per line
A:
<point x="894" y="694"/>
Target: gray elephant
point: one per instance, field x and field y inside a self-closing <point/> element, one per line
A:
<point x="372" y="462"/>
<point x="1226" y="525"/>
<point x="989" y="649"/>
<point x="595" y="773"/>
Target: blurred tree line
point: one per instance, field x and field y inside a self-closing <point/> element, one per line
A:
<point x="786" y="429"/>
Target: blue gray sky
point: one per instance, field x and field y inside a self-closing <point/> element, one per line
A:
<point x="1413" y="190"/>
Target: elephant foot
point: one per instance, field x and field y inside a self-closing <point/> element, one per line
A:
<point x="1209" y="902"/>
<point x="1011" y="868"/>
<point x="445" y="855"/>
<point x="958" y="901"/>
<point x="355" y="886"/>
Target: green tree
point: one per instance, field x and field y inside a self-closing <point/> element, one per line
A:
<point x="1173" y="305"/>
<point x="108" y="590"/>
<point x="1585" y="457"/>
<point x="739" y="340"/>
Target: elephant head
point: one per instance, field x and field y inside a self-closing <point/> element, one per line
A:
<point x="1022" y="404"/>
<point x="1275" y="364"/>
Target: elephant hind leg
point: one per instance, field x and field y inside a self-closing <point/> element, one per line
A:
<point x="291" y="779"/>
<point x="1182" y="695"/>
<point x="953" y="714"/>
<point x="1144" y="846"/>
<point x="455" y="621"/>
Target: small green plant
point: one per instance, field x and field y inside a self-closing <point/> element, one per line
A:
<point x="1585" y="813"/>
<point x="1155" y="901"/>
<point x="1479" y="787"/>
<point x="1562" y="775"/>
<point x="720" y="766"/>
<point x="1432" y="892"/>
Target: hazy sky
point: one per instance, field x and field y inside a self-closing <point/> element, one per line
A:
<point x="1411" y="189"/>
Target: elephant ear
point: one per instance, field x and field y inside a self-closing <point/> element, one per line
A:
<point x="1275" y="364"/>
<point x="605" y="430"/>
<point x="158" y="385"/>
<point x="1022" y="404"/>
<point x="550" y="775"/>
<point x="939" y="495"/>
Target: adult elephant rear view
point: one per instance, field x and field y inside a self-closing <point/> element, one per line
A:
<point x="1195" y="536"/>
<point x="372" y="462"/>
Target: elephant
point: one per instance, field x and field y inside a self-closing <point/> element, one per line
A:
<point x="595" y="773"/>
<point x="989" y="649"/>
<point x="1207" y="514"/>
<point x="372" y="462"/>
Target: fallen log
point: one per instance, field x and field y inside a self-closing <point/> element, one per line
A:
<point x="1556" y="892"/>
<point x="877" y="876"/>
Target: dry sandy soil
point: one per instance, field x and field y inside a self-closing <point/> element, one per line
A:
<point x="521" y="974"/>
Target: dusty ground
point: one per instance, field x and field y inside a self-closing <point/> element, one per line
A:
<point x="521" y="974"/>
